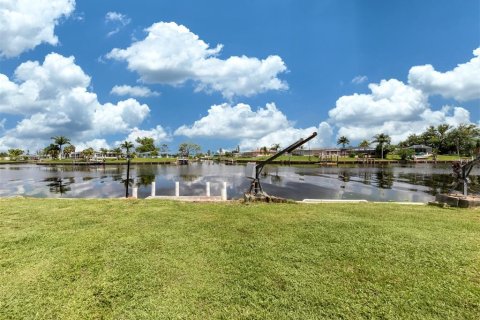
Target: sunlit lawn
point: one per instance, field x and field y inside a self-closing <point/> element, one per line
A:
<point x="146" y="259"/>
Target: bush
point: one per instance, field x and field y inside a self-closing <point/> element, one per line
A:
<point x="405" y="154"/>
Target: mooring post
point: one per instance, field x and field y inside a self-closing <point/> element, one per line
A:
<point x="135" y="192"/>
<point x="208" y="189"/>
<point x="224" y="191"/>
<point x="177" y="189"/>
<point x="153" y="188"/>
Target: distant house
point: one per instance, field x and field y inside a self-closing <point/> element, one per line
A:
<point x="329" y="152"/>
<point x="421" y="150"/>
<point x="317" y="152"/>
<point x="96" y="156"/>
<point x="147" y="154"/>
<point x="256" y="153"/>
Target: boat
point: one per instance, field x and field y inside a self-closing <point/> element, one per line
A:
<point x="182" y="161"/>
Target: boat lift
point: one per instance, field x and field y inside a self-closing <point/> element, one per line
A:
<point x="461" y="173"/>
<point x="253" y="171"/>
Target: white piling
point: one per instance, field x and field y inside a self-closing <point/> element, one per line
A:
<point x="153" y="188"/>
<point x="224" y="191"/>
<point x="208" y="189"/>
<point x="177" y="189"/>
<point x="135" y="192"/>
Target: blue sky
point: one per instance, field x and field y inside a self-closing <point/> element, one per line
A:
<point x="228" y="73"/>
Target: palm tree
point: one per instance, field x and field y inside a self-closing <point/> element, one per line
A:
<point x="104" y="152"/>
<point x="382" y="139"/>
<point x="117" y="152"/>
<point x="60" y="141"/>
<point x="68" y="150"/>
<point x="343" y="141"/>
<point x="127" y="145"/>
<point x="364" y="144"/>
<point x="464" y="137"/>
<point x="52" y="150"/>
<point x="88" y="153"/>
<point x="15" y="153"/>
<point x="275" y="147"/>
<point x="442" y="130"/>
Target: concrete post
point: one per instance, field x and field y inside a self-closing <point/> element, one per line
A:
<point x="177" y="189"/>
<point x="135" y="192"/>
<point x="208" y="189"/>
<point x="224" y="191"/>
<point x="153" y="188"/>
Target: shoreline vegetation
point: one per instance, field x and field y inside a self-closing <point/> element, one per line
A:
<point x="234" y="160"/>
<point x="137" y="259"/>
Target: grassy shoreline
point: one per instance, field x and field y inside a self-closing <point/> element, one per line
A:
<point x="134" y="259"/>
<point x="284" y="160"/>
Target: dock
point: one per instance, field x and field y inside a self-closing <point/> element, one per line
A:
<point x="189" y="198"/>
<point x="206" y="198"/>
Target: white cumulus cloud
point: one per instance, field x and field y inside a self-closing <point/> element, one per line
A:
<point x="254" y="128"/>
<point x="96" y="144"/>
<point x="393" y="108"/>
<point x="238" y="121"/>
<point x="159" y="135"/>
<point x="388" y="100"/>
<point x="53" y="99"/>
<point x="172" y="54"/>
<point x="24" y="24"/>
<point x="462" y="83"/>
<point x="284" y="137"/>
<point x="135" y="91"/>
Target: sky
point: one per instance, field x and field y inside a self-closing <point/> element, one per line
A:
<point x="223" y="74"/>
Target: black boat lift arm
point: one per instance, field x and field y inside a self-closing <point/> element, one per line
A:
<point x="256" y="188"/>
<point x="461" y="173"/>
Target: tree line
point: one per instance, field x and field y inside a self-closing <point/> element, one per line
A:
<point x="61" y="147"/>
<point x="463" y="139"/>
<point x="443" y="139"/>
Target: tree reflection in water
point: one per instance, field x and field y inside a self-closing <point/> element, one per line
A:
<point x="366" y="177"/>
<point x="344" y="175"/>
<point x="130" y="183"/>
<point x="276" y="179"/>
<point x="189" y="177"/>
<point x="145" y="179"/>
<point x="438" y="183"/>
<point x="58" y="186"/>
<point x="384" y="179"/>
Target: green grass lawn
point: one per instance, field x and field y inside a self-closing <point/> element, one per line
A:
<point x="315" y="159"/>
<point x="11" y="161"/>
<point x="143" y="160"/>
<point x="147" y="259"/>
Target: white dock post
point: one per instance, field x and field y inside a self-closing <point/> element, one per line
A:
<point x="135" y="192"/>
<point x="153" y="188"/>
<point x="177" y="189"/>
<point x="224" y="191"/>
<point x="208" y="189"/>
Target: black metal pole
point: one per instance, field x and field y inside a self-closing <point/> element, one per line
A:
<point x="128" y="176"/>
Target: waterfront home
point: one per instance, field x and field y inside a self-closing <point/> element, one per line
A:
<point x="421" y="151"/>
<point x="96" y="155"/>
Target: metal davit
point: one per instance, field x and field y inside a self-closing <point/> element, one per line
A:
<point x="255" y="191"/>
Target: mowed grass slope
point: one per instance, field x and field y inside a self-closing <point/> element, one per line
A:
<point x="140" y="259"/>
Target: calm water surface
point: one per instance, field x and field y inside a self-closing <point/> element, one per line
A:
<point x="417" y="183"/>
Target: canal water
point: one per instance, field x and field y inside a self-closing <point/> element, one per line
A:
<point x="415" y="183"/>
